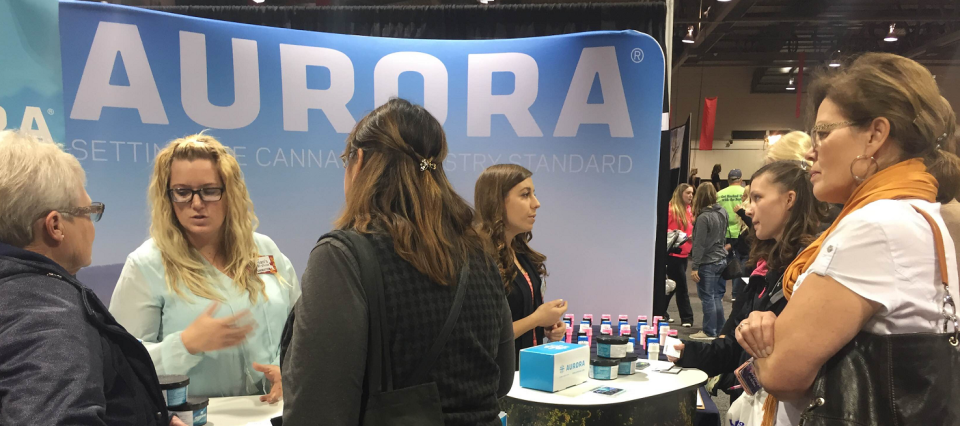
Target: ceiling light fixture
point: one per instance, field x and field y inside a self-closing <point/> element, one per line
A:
<point x="835" y="60"/>
<point x="791" y="86"/>
<point x="892" y="35"/>
<point x="689" y="38"/>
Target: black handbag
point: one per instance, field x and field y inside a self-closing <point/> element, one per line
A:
<point x="901" y="379"/>
<point x="733" y="268"/>
<point x="414" y="401"/>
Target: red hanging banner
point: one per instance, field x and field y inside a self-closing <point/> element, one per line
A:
<point x="706" y="126"/>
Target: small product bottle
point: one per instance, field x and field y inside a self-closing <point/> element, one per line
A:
<point x="588" y="318"/>
<point x="654" y="351"/>
<point x="582" y="337"/>
<point x="641" y="321"/>
<point x="652" y="340"/>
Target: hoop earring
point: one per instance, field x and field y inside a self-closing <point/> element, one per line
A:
<point x="861" y="157"/>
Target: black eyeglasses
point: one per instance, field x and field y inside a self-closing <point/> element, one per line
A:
<point x="94" y="210"/>
<point x="185" y="195"/>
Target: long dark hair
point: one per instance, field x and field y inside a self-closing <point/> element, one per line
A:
<point x="489" y="198"/>
<point x="401" y="188"/>
<point x="803" y="222"/>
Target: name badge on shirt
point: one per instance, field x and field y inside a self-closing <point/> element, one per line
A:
<point x="266" y="265"/>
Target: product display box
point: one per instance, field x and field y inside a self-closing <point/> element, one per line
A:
<point x="554" y="367"/>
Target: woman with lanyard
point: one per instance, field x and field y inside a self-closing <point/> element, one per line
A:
<point x="206" y="294"/>
<point x="506" y="211"/>
<point x="884" y="274"/>
<point x="785" y="216"/>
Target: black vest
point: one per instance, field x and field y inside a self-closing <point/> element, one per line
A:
<point x="466" y="372"/>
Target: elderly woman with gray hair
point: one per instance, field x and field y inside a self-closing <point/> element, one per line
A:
<point x="63" y="358"/>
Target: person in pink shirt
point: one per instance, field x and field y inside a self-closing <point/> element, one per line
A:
<point x="680" y="218"/>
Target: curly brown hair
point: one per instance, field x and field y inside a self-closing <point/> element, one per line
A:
<point x="489" y="197"/>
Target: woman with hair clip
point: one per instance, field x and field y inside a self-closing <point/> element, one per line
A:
<point x="709" y="258"/>
<point x="206" y="294"/>
<point x="399" y="200"/>
<point x="679" y="217"/>
<point x="785" y="216"/>
<point x="507" y="207"/>
<point x="876" y="290"/>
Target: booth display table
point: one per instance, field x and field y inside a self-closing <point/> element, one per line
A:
<point x="651" y="398"/>
<point x="241" y="411"/>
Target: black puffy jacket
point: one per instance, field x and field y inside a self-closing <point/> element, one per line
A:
<point x="64" y="360"/>
<point x="723" y="355"/>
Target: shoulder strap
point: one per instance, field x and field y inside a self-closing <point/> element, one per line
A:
<point x="379" y="377"/>
<point x="938" y="242"/>
<point x="420" y="373"/>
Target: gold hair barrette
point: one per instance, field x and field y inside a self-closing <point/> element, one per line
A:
<point x="427" y="164"/>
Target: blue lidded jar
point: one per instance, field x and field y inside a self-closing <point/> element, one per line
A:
<point x="628" y="365"/>
<point x="193" y="412"/>
<point x="604" y="368"/>
<point x="612" y="346"/>
<point x="174" y="388"/>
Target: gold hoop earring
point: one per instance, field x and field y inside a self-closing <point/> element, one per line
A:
<point x="861" y="157"/>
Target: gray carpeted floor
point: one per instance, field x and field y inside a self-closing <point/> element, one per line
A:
<point x="722" y="400"/>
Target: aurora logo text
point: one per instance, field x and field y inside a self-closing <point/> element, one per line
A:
<point x="113" y="40"/>
<point x="33" y="122"/>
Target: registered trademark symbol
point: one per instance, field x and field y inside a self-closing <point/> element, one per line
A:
<point x="49" y="111"/>
<point x="637" y="55"/>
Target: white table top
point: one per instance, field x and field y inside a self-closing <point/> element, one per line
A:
<point x="241" y="411"/>
<point x="644" y="384"/>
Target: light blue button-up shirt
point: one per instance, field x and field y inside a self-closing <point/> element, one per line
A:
<point x="142" y="303"/>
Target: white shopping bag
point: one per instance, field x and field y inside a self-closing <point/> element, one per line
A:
<point x="747" y="410"/>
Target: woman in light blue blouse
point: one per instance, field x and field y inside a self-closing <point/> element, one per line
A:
<point x="207" y="296"/>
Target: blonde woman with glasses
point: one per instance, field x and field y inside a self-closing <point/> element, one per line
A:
<point x="207" y="295"/>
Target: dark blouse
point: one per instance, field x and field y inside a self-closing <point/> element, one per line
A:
<point x="522" y="304"/>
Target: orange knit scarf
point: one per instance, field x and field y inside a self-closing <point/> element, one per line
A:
<point x="905" y="180"/>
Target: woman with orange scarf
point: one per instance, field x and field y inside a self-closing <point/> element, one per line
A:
<point x="882" y="146"/>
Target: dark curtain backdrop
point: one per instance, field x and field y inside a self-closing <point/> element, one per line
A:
<point x="471" y="22"/>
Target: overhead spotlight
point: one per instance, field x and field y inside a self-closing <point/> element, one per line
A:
<point x="892" y="35"/>
<point x="258" y="1"/>
<point x="835" y="61"/>
<point x="723" y="1"/>
<point x="689" y="39"/>
<point x="791" y="86"/>
<point x="485" y="1"/>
